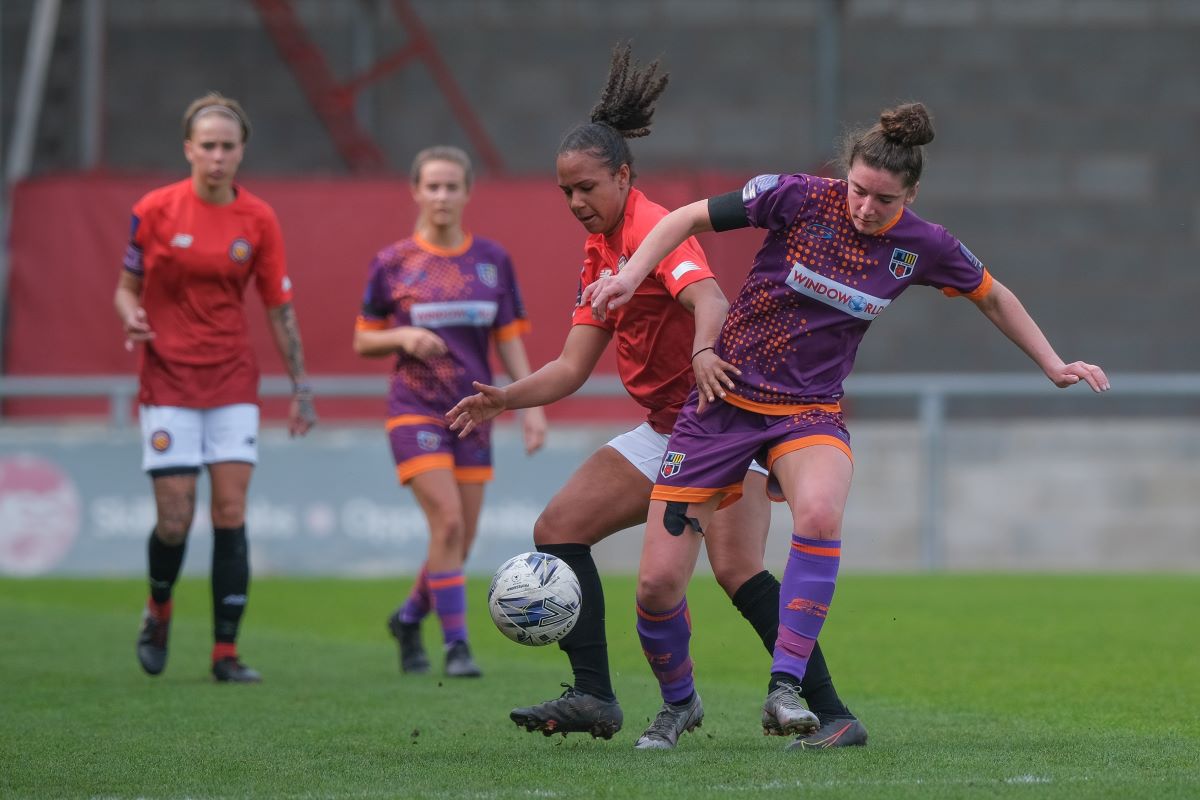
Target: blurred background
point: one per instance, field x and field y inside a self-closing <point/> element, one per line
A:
<point x="1065" y="159"/>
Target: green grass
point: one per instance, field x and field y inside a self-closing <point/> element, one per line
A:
<point x="971" y="686"/>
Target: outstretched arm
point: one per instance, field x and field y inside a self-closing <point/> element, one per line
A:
<point x="302" y="415"/>
<point x="1005" y="311"/>
<point x="516" y="364"/>
<point x="609" y="294"/>
<point x="554" y="381"/>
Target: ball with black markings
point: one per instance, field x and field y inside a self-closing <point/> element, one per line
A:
<point x="534" y="599"/>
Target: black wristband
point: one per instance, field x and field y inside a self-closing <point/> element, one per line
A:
<point x="701" y="350"/>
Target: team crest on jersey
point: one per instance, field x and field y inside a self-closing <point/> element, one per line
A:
<point x="160" y="440"/>
<point x="488" y="274"/>
<point x="427" y="440"/>
<point x="903" y="264"/>
<point x="239" y="251"/>
<point x="969" y="256"/>
<point x="671" y="464"/>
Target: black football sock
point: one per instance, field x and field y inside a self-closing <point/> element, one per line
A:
<point x="165" y="563"/>
<point x="758" y="601"/>
<point x="230" y="581"/>
<point x="586" y="645"/>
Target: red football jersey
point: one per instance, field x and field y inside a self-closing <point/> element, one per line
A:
<point x="654" y="332"/>
<point x="195" y="259"/>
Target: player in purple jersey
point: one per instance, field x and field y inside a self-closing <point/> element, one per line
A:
<point x="836" y="254"/>
<point x="448" y="295"/>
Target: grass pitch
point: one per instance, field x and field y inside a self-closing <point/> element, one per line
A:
<point x="970" y="685"/>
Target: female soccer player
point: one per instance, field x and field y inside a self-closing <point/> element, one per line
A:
<point x="837" y="253"/>
<point x="195" y="245"/>
<point x="449" y="295"/>
<point x="677" y="312"/>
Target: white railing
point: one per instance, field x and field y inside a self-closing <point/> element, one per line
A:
<point x="931" y="394"/>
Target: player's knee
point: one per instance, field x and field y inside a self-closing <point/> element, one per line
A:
<point x="820" y="520"/>
<point x="449" y="529"/>
<point x="172" y="531"/>
<point x="228" y="513"/>
<point x="731" y="574"/>
<point x="660" y="589"/>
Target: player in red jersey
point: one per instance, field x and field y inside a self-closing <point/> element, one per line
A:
<point x="448" y="296"/>
<point x="194" y="247"/>
<point x="611" y="490"/>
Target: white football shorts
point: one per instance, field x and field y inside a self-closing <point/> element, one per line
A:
<point x="645" y="447"/>
<point x="185" y="438"/>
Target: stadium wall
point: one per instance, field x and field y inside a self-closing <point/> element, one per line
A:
<point x="1064" y="159"/>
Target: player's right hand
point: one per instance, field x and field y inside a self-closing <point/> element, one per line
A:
<point x="477" y="409"/>
<point x="423" y="344"/>
<point x="608" y="293"/>
<point x="137" y="328"/>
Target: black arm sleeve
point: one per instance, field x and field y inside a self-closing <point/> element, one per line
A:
<point x="727" y="212"/>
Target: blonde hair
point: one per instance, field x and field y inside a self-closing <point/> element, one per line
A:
<point x="215" y="102"/>
<point x="442" y="152"/>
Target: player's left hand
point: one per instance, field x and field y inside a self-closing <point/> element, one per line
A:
<point x="533" y="424"/>
<point x="712" y="377"/>
<point x="1076" y="371"/>
<point x="302" y="415"/>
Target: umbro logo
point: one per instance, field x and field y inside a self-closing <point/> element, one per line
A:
<point x="182" y="240"/>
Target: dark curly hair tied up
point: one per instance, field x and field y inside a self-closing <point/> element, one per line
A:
<point x="895" y="143"/>
<point x="625" y="111"/>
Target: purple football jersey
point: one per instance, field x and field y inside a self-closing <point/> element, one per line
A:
<point x="817" y="284"/>
<point x="466" y="296"/>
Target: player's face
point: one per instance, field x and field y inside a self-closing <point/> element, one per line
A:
<point x="875" y="197"/>
<point x="595" y="194"/>
<point x="214" y="150"/>
<point x="441" y="193"/>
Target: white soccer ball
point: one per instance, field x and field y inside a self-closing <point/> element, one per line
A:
<point x="534" y="599"/>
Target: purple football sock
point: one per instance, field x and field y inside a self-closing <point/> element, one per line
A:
<point x="807" y="590"/>
<point x="665" y="638"/>
<point x="419" y="600"/>
<point x="449" y="590"/>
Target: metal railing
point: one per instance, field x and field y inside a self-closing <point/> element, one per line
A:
<point x="931" y="393"/>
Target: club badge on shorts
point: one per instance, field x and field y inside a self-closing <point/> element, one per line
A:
<point x="427" y="440"/>
<point x="160" y="440"/>
<point x="671" y="463"/>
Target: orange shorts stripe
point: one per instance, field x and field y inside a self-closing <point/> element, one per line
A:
<point x="412" y="419"/>
<point x="832" y="552"/>
<point x="689" y="494"/>
<point x="773" y="410"/>
<point x="421" y="464"/>
<point x="446" y="583"/>
<point x="809" y="441"/>
<point x="473" y="474"/>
